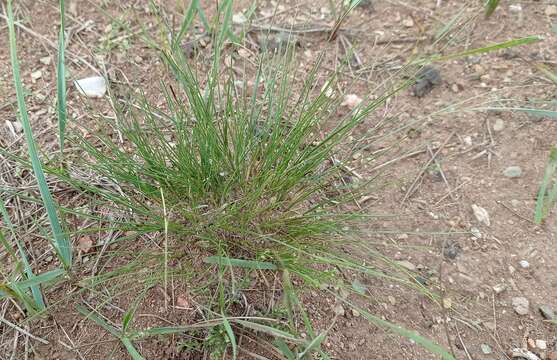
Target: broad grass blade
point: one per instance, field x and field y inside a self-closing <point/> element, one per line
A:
<point x="231" y="336"/>
<point x="61" y="242"/>
<point x="490" y="7"/>
<point x="61" y="79"/>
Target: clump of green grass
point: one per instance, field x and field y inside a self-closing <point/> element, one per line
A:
<point x="226" y="182"/>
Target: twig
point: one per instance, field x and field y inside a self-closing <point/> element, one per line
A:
<point x="448" y="194"/>
<point x="443" y="309"/>
<point x="23" y="331"/>
<point x="423" y="170"/>
<point x="515" y="213"/>
<point x="462" y="343"/>
<point x="491" y="143"/>
<point x="441" y="172"/>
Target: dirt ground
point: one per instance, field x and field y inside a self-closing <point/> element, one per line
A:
<point x="480" y="267"/>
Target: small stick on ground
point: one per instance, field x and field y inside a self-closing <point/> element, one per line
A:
<point x="441" y="172"/>
<point x="23" y="331"/>
<point x="443" y="309"/>
<point x="515" y="213"/>
<point x="462" y="343"/>
<point x="413" y="187"/>
<point x="491" y="143"/>
<point x="453" y="191"/>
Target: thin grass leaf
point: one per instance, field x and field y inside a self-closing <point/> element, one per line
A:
<point x="44" y="278"/>
<point x="35" y="289"/>
<point x="399" y="330"/>
<point x="490" y="7"/>
<point x="7" y="246"/>
<point x="544" y="204"/>
<point x="186" y="23"/>
<point x="99" y="321"/>
<point x="499" y="46"/>
<point x="247" y="264"/>
<point x="61" y="79"/>
<point x="61" y="243"/>
<point x="231" y="337"/>
<point x="313" y="345"/>
<point x="547" y="72"/>
<point x="284" y="349"/>
<point x="131" y="349"/>
<point x="268" y="330"/>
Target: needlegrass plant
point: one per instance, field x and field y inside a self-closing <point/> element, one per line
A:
<point x="229" y="182"/>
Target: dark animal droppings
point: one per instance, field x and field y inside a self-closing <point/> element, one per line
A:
<point x="428" y="78"/>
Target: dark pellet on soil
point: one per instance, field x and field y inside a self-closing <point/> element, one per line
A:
<point x="428" y="77"/>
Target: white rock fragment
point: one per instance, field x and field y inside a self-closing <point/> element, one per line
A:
<point x="239" y="18"/>
<point x="36" y="75"/>
<point x="351" y="100"/>
<point x="481" y="214"/>
<point x="541" y="344"/>
<point x="92" y="87"/>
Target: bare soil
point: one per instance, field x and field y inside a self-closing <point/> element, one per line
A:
<point x="434" y="229"/>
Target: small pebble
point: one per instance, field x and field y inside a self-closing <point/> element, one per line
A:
<point x="551" y="10"/>
<point x="486" y="349"/>
<point x="541" y="344"/>
<point x="481" y="214"/>
<point x="36" y="75"/>
<point x="92" y="87"/>
<point x="338" y="310"/>
<point x="524" y="264"/>
<point x="513" y="172"/>
<point x="499" y="125"/>
<point x="521" y="305"/>
<point x="547" y="312"/>
<point x="499" y="288"/>
<point x="45" y="60"/>
<point x="476" y="232"/>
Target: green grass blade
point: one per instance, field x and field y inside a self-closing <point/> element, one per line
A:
<point x="131" y="349"/>
<point x="36" y="291"/>
<point x="399" y="330"/>
<point x="313" y="345"/>
<point x="490" y="7"/>
<point x="284" y="349"/>
<point x="247" y="264"/>
<point x="40" y="279"/>
<point x="61" y="243"/>
<point x="499" y="46"/>
<point x="99" y="321"/>
<point x="543" y="206"/>
<point x="112" y="330"/>
<point x="268" y="330"/>
<point x="186" y="23"/>
<point x="231" y="337"/>
<point x="3" y="241"/>
<point x="61" y="79"/>
<point x="548" y="72"/>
